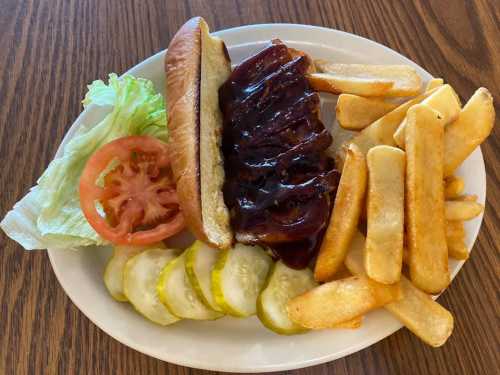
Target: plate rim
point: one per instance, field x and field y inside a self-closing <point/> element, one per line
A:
<point x="231" y="32"/>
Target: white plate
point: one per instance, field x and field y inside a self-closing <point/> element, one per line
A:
<point x="228" y="344"/>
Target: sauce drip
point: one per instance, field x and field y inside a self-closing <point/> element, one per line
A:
<point x="278" y="177"/>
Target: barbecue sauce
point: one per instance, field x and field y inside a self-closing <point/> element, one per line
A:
<point x="279" y="180"/>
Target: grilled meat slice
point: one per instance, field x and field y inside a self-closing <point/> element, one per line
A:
<point x="279" y="181"/>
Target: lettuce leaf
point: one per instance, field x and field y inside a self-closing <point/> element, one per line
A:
<point x="50" y="215"/>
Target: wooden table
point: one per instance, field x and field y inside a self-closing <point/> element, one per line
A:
<point x="50" y="50"/>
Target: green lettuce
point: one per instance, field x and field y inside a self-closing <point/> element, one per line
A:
<point x="54" y="217"/>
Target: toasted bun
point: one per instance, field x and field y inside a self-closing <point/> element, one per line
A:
<point x="196" y="65"/>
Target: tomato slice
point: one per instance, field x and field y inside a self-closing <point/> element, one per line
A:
<point x="138" y="196"/>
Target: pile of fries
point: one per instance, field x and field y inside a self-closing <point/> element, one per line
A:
<point x="399" y="209"/>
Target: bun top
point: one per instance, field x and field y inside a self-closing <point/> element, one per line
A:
<point x="182" y="67"/>
<point x="196" y="65"/>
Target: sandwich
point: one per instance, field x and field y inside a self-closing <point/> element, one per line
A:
<point x="248" y="146"/>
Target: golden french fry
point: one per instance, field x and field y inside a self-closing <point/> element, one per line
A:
<point x="457" y="248"/>
<point x="433" y="83"/>
<point x="339" y="301"/>
<point x="455" y="229"/>
<point x="467" y="198"/>
<point x="342" y="273"/>
<point x="344" y="219"/>
<point x="423" y="316"/>
<point x="474" y="124"/>
<point x="444" y="100"/>
<point x="356" y="112"/>
<point x="425" y="199"/>
<point x="351" y="324"/>
<point x="340" y="144"/>
<point x="385" y="214"/>
<point x="405" y="80"/>
<point x="350" y="85"/>
<point x="381" y="131"/>
<point x="453" y="187"/>
<point x="462" y="210"/>
<point x="455" y="239"/>
<point x="355" y="258"/>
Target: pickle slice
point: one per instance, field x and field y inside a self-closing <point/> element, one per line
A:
<point x="113" y="273"/>
<point x="178" y="295"/>
<point x="283" y="284"/>
<point x="238" y="277"/>
<point x="139" y="284"/>
<point x="200" y="260"/>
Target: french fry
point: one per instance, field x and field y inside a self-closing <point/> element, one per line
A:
<point x="405" y="80"/>
<point x="462" y="210"/>
<point x="356" y="112"/>
<point x="342" y="273"/>
<point x="455" y="229"/>
<point x="453" y="187"/>
<point x="340" y="143"/>
<point x="467" y="198"/>
<point x="344" y="219"/>
<point x="381" y="131"/>
<point x="340" y="301"/>
<point x="455" y="239"/>
<point x="423" y="316"/>
<point x="336" y="84"/>
<point x="351" y="324"/>
<point x="444" y="100"/>
<point x="384" y="240"/>
<point x="457" y="249"/>
<point x="433" y="83"/>
<point x="425" y="199"/>
<point x="474" y="124"/>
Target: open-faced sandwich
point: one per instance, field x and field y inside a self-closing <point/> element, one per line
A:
<point x="248" y="146"/>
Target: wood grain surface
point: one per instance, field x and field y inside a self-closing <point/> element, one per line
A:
<point x="50" y="50"/>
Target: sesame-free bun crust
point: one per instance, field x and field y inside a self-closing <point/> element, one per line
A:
<point x="196" y="65"/>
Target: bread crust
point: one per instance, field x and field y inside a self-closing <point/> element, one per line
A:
<point x="183" y="71"/>
<point x="196" y="65"/>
